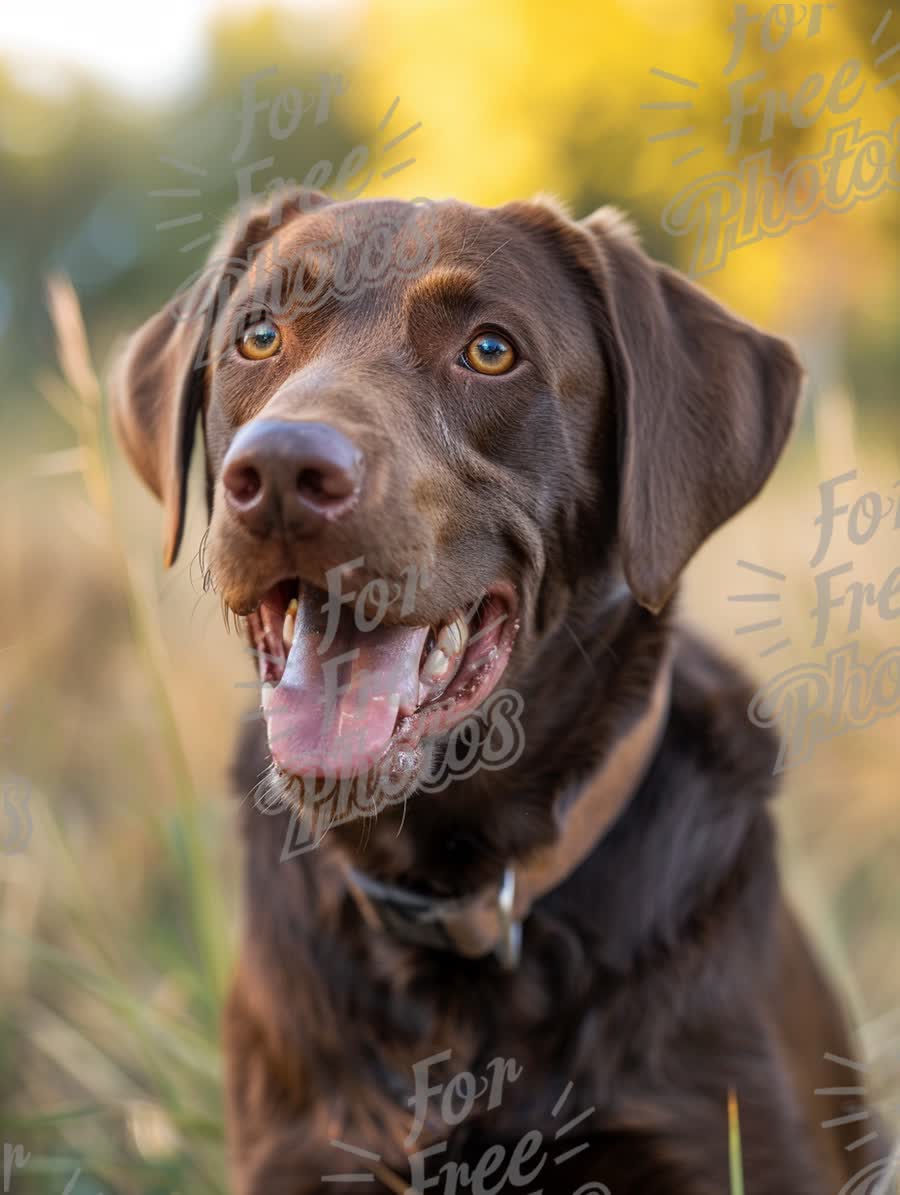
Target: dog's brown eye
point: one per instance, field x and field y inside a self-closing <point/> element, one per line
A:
<point x="260" y="341"/>
<point x="489" y="353"/>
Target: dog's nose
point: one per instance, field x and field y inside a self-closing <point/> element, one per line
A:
<point x="292" y="475"/>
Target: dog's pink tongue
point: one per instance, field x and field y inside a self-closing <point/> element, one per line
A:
<point x="336" y="707"/>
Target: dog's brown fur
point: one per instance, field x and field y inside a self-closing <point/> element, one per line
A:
<point x="666" y="969"/>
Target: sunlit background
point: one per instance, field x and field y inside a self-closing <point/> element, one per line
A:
<point x="119" y="689"/>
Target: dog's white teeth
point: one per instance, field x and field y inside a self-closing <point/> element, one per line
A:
<point x="444" y="656"/>
<point x="436" y="666"/>
<point x="268" y="692"/>
<point x="290" y="623"/>
<point x="453" y="637"/>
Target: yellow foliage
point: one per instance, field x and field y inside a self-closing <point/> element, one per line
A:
<point x="520" y="97"/>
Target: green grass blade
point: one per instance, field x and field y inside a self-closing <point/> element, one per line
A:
<point x="735" y="1157"/>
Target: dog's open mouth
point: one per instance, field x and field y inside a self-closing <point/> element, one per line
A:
<point x="343" y="693"/>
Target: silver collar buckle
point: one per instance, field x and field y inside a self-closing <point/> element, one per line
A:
<point x="509" y="947"/>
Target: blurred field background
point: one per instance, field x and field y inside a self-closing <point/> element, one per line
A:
<point x="119" y="689"/>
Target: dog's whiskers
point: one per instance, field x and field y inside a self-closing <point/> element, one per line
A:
<point x="199" y="558"/>
<point x="581" y="649"/>
<point x="403" y="815"/>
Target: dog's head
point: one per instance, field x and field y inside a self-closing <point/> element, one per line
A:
<point x="411" y="470"/>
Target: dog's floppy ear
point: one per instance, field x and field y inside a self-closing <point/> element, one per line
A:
<point x="157" y="393"/>
<point x="705" y="405"/>
<point x="157" y="386"/>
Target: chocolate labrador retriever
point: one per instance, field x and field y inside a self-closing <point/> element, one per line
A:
<point x="513" y="914"/>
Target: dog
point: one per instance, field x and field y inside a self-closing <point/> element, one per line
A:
<point x="452" y="483"/>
